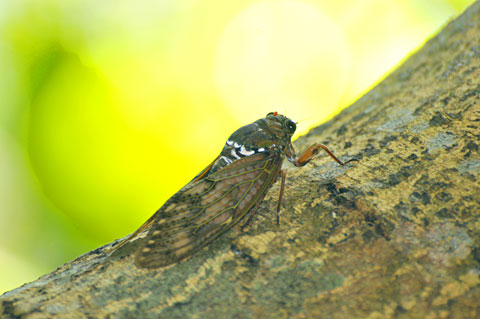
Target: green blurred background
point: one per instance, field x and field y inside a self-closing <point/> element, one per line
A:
<point x="109" y="107"/>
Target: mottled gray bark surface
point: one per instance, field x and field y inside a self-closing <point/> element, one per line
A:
<point x="396" y="235"/>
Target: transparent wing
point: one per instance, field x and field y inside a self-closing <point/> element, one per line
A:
<point x="206" y="208"/>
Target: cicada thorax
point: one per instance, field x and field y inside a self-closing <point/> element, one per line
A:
<point x="205" y="209"/>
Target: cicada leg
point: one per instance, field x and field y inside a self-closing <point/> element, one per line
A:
<point x="310" y="152"/>
<point x="305" y="157"/>
<point x="254" y="211"/>
<point x="282" y="187"/>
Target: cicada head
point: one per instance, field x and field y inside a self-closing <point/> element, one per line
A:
<point x="280" y="127"/>
<point x="272" y="133"/>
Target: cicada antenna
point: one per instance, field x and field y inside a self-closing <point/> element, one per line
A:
<point x="304" y="119"/>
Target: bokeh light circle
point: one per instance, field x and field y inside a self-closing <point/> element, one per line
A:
<point x="282" y="55"/>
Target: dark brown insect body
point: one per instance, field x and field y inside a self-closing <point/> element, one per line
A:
<point x="223" y="193"/>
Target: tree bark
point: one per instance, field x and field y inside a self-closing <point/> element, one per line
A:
<point x="395" y="235"/>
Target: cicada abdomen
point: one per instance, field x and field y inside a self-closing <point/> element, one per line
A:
<point x="223" y="194"/>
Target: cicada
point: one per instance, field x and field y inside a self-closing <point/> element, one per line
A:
<point x="226" y="192"/>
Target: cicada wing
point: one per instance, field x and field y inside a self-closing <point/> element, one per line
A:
<point x="117" y="249"/>
<point x="205" y="171"/>
<point x="206" y="208"/>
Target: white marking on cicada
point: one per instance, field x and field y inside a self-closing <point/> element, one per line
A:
<point x="226" y="159"/>
<point x="261" y="149"/>
<point x="236" y="145"/>
<point x="234" y="154"/>
<point x="229" y="142"/>
<point x="245" y="152"/>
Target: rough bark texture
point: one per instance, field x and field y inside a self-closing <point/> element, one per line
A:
<point x="396" y="235"/>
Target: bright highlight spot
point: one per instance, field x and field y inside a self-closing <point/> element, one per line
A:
<point x="282" y="56"/>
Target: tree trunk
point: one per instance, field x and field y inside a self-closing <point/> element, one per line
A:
<point x="395" y="235"/>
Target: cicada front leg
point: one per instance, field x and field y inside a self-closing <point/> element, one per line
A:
<point x="300" y="160"/>
<point x="310" y="152"/>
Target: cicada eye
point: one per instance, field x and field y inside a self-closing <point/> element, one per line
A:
<point x="291" y="126"/>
